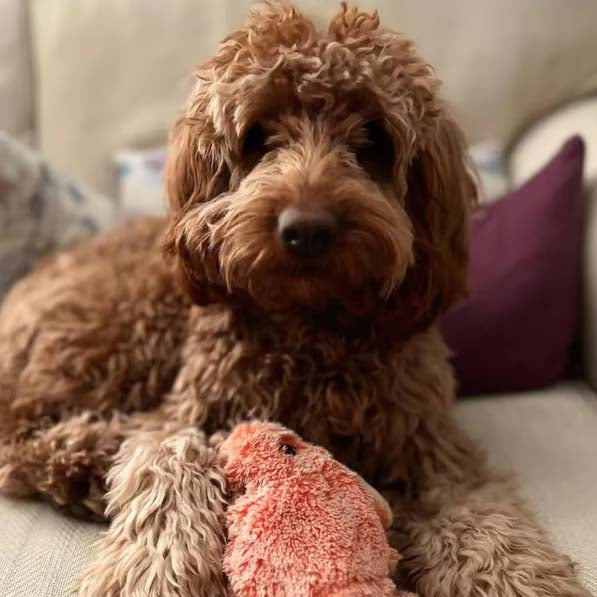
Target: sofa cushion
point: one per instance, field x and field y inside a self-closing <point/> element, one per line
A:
<point x="516" y="329"/>
<point x="16" y="89"/>
<point x="525" y="158"/>
<point x="548" y="438"/>
<point x="112" y="73"/>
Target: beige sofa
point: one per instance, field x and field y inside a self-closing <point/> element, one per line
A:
<point x="83" y="80"/>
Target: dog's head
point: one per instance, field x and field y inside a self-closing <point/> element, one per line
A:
<point x="319" y="170"/>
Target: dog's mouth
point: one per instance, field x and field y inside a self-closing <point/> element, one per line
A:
<point x="306" y="269"/>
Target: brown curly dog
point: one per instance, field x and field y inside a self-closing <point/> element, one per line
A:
<point x="319" y="201"/>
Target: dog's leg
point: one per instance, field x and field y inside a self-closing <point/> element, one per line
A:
<point x="468" y="534"/>
<point x="67" y="462"/>
<point x="167" y="500"/>
<point x="95" y="330"/>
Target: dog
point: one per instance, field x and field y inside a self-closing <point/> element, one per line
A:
<point x="319" y="198"/>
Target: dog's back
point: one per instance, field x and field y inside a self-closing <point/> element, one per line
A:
<point x="96" y="328"/>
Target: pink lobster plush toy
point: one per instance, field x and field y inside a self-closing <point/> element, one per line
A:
<point x="301" y="524"/>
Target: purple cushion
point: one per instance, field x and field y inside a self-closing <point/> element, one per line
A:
<point x="516" y="329"/>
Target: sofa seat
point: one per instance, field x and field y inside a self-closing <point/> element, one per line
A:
<point x="546" y="437"/>
<point x="549" y="439"/>
<point x="42" y="552"/>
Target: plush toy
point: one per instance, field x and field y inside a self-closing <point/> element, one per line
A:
<point x="301" y="524"/>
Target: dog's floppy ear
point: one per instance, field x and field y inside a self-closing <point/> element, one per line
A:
<point x="182" y="173"/>
<point x="441" y="194"/>
<point x="193" y="175"/>
<point x="193" y="172"/>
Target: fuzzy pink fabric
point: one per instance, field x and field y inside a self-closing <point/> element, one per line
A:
<point x="303" y="525"/>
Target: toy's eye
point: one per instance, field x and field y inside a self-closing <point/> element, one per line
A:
<point x="288" y="450"/>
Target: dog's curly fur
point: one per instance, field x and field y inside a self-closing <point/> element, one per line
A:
<point x="108" y="347"/>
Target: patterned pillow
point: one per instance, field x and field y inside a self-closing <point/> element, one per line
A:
<point x="40" y="211"/>
<point x="140" y="174"/>
<point x="488" y="157"/>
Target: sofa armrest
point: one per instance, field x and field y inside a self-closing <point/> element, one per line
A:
<point x="533" y="150"/>
<point x="538" y="144"/>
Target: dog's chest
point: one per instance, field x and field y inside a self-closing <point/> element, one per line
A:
<point x="346" y="395"/>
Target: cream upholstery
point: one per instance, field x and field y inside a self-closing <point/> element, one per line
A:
<point x="16" y="98"/>
<point x="540" y="141"/>
<point x="41" y="551"/>
<point x="549" y="438"/>
<point x="111" y="74"/>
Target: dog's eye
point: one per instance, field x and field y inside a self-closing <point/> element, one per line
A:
<point x="376" y="155"/>
<point x="254" y="145"/>
<point x="288" y="450"/>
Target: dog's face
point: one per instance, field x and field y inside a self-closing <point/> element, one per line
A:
<point x="315" y="171"/>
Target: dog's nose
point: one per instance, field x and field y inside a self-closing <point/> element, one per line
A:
<point x="307" y="233"/>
